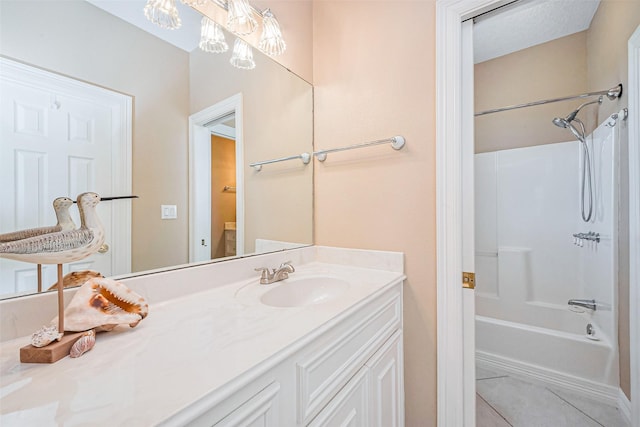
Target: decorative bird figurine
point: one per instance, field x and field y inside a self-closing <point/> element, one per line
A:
<point x="61" y="207"/>
<point x="62" y="246"/>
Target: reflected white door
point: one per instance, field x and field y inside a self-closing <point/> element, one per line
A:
<point x="60" y="137"/>
<point x="201" y="193"/>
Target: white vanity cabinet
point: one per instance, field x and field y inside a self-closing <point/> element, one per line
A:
<point x="350" y="407"/>
<point x="348" y="373"/>
<point x="386" y="384"/>
<point x="324" y="349"/>
<point x="374" y="396"/>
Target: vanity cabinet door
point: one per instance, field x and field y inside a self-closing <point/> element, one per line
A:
<point x="325" y="367"/>
<point x="259" y="411"/>
<point x="386" y="381"/>
<point x="350" y="407"/>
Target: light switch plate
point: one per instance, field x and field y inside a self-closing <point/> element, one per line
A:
<point x="168" y="212"/>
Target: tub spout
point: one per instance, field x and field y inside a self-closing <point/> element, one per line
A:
<point x="586" y="303"/>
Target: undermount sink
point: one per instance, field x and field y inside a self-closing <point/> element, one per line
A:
<point x="298" y="292"/>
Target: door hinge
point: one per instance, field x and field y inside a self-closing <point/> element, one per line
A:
<point x="468" y="280"/>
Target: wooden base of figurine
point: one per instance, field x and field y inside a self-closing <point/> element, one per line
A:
<point x="57" y="350"/>
<point x="51" y="353"/>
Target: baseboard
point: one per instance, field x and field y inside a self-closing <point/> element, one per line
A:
<point x="624" y="405"/>
<point x="604" y="393"/>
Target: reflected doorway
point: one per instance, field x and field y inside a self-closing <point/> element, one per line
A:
<point x="223" y="187"/>
<point x="216" y="177"/>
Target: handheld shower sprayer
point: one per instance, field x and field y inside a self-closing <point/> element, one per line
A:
<point x="566" y="122"/>
<point x="586" y="157"/>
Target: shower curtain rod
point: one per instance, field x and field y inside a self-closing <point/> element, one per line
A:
<point x="612" y="94"/>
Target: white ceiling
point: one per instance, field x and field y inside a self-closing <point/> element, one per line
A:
<point x="186" y="37"/>
<point x="528" y="23"/>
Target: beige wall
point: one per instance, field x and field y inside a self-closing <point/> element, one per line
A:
<point x="278" y="120"/>
<point x="550" y="70"/>
<point x="223" y="203"/>
<point x="373" y="81"/>
<point x="81" y="41"/>
<point x="611" y="28"/>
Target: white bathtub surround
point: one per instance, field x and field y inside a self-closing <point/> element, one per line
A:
<point x="559" y="359"/>
<point x="528" y="267"/>
<point x="209" y="347"/>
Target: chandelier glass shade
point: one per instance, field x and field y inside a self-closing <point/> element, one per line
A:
<point x="163" y="13"/>
<point x="271" y="41"/>
<point x="242" y="56"/>
<point x="240" y="18"/>
<point x="212" y="37"/>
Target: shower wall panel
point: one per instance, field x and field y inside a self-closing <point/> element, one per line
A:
<point x="527" y="210"/>
<point x="598" y="262"/>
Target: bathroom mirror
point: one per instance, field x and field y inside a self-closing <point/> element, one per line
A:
<point x="166" y="85"/>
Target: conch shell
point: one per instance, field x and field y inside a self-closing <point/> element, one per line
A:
<point x="76" y="278"/>
<point x="102" y="304"/>
<point x="84" y="344"/>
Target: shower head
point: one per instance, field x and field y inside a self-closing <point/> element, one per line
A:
<point x="560" y="122"/>
<point x="566" y="122"/>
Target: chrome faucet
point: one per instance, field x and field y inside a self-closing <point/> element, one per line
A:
<point x="586" y="303"/>
<point x="275" y="275"/>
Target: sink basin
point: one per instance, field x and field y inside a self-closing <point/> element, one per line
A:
<point x="298" y="292"/>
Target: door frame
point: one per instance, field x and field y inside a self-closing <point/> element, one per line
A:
<point x="451" y="351"/>
<point x="233" y="104"/>
<point x="634" y="219"/>
<point x="454" y="399"/>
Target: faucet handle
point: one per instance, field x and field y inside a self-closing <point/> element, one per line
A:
<point x="266" y="275"/>
<point x="287" y="264"/>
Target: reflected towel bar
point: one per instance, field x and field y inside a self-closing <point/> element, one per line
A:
<point x="306" y="158"/>
<point x="397" y="142"/>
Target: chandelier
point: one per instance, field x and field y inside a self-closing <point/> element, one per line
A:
<point x="241" y="20"/>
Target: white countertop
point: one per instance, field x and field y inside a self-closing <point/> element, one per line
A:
<point x="188" y="348"/>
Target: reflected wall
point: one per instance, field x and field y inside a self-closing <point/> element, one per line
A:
<point x="81" y="41"/>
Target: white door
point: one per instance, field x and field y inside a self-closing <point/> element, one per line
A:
<point x="201" y="194"/>
<point x="59" y="137"/>
<point x="468" y="224"/>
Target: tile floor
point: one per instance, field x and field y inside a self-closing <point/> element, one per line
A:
<point x="506" y="401"/>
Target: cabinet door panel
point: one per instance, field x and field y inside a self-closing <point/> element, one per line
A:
<point x="324" y="368"/>
<point x="387" y="385"/>
<point x="260" y="411"/>
<point x="350" y="407"/>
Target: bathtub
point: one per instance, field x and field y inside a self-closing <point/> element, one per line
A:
<point x="559" y="359"/>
